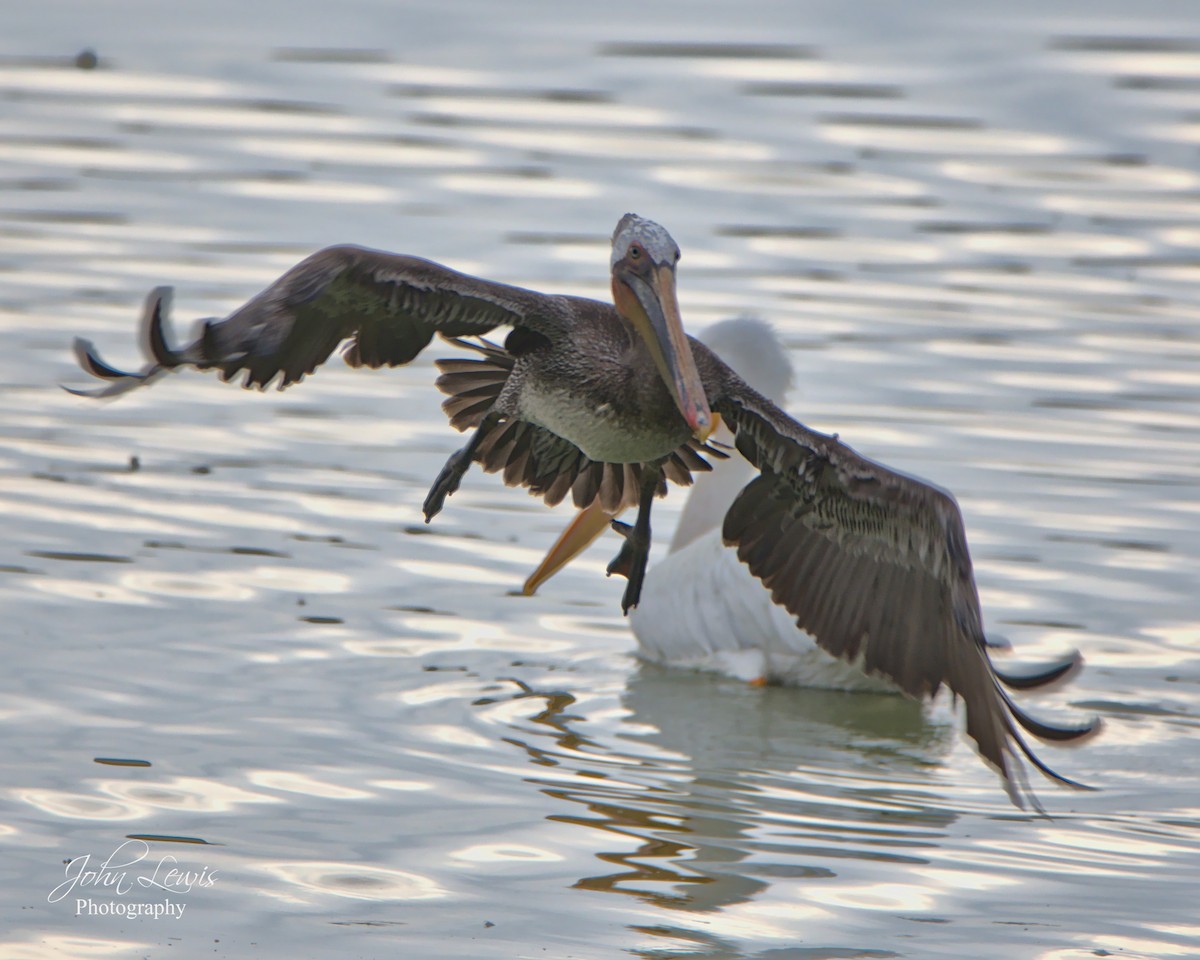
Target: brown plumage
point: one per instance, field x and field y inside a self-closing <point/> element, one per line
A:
<point x="532" y="457"/>
<point x="608" y="403"/>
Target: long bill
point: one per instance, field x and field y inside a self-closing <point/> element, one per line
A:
<point x="654" y="312"/>
<point x="588" y="524"/>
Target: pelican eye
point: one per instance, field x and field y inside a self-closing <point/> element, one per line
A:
<point x="635" y="252"/>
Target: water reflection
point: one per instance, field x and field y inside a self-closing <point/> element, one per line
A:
<point x="721" y="787"/>
<point x="353" y="880"/>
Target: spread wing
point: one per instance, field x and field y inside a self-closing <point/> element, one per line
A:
<point x="531" y="456"/>
<point x="874" y="564"/>
<point x="387" y="305"/>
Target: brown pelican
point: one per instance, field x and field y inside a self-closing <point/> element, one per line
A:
<point x="608" y="404"/>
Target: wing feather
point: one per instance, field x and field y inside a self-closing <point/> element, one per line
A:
<point x="873" y="563"/>
<point x="387" y="306"/>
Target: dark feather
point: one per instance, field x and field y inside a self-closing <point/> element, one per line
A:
<point x="387" y="306"/>
<point x="874" y="564"/>
<point x="530" y="456"/>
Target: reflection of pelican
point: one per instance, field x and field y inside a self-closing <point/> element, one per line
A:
<point x="609" y="404"/>
<point x="713" y="792"/>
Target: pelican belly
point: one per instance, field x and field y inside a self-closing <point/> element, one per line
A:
<point x="598" y="427"/>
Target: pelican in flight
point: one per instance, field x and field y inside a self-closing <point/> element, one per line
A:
<point x="608" y="403"/>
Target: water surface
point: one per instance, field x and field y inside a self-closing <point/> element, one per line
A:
<point x="976" y="232"/>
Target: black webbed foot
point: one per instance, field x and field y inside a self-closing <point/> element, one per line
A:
<point x="456" y="467"/>
<point x="447" y="482"/>
<point x="630" y="562"/>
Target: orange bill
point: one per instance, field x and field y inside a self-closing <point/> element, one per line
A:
<point x="588" y="524"/>
<point x="654" y="312"/>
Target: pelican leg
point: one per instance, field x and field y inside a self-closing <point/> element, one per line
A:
<point x="630" y="561"/>
<point x="456" y="466"/>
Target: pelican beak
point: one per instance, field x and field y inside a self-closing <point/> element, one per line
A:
<point x="654" y="312"/>
<point x="588" y="524"/>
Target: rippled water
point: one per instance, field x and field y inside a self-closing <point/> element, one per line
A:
<point x="975" y="227"/>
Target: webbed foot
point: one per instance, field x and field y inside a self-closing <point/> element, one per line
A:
<point x="630" y="562"/>
<point x="446" y="483"/>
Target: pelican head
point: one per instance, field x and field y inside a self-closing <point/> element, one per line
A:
<point x="643" y="286"/>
